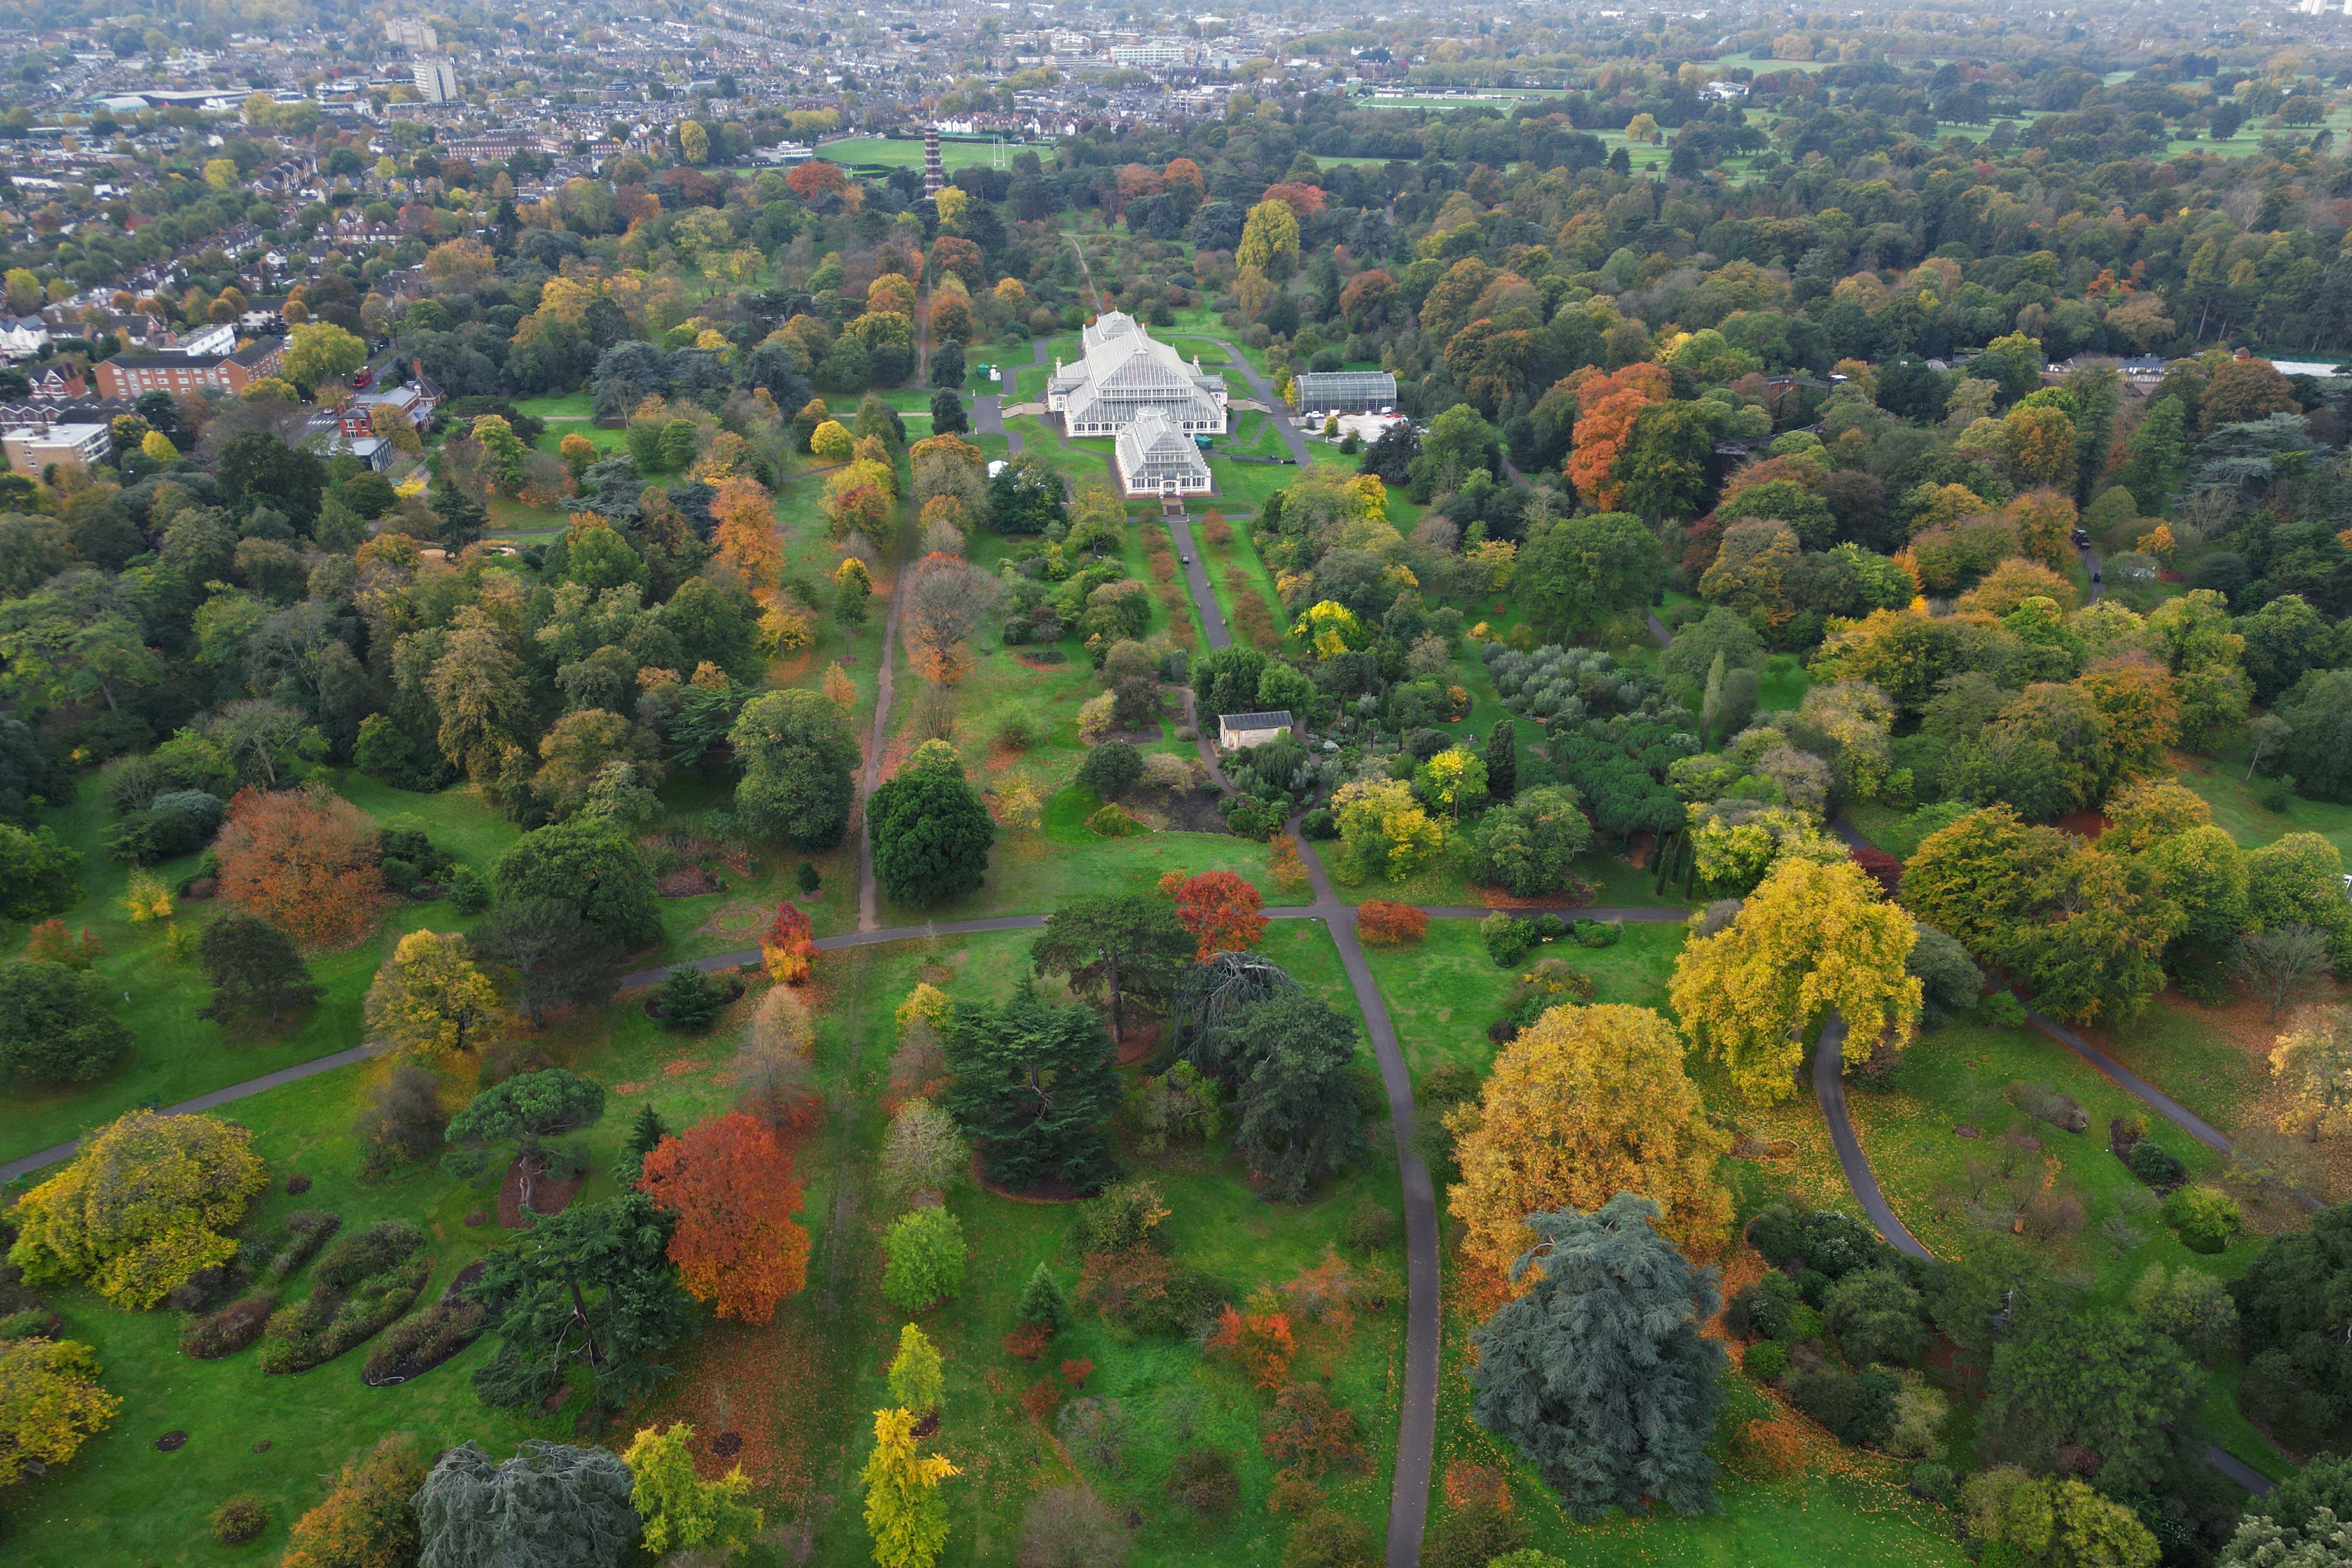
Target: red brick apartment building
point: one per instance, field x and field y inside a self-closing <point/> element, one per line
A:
<point x="129" y="375"/>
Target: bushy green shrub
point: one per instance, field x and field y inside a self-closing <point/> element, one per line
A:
<point x="1598" y="934"/>
<point x="1764" y="1361"/>
<point x="468" y="889"/>
<point x="2155" y="1165"/>
<point x="1508" y="938"/>
<point x="32" y="1323"/>
<point x="424" y="1341"/>
<point x="924" y="1253"/>
<point x="239" y="1520"/>
<point x="228" y="1330"/>
<point x="1761" y="1308"/>
<point x="1114" y="822"/>
<point x="361" y="1284"/>
<point x="2205" y="1218"/>
<point x="1858" y="1407"/>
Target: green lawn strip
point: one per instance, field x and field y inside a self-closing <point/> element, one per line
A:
<point x="1242" y="553"/>
<point x="884" y="152"/>
<point x="1444" y="991"/>
<point x="1781" y="686"/>
<point x="2237" y="805"/>
<point x="1034" y="876"/>
<point x="2175" y="1045"/>
<point x="561" y="406"/>
<point x="1029" y="380"/>
<point x="606" y="442"/>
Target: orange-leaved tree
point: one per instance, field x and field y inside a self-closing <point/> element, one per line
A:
<point x="1222" y="912"/>
<point x="1259" y="1340"/>
<point x="730" y="1186"/>
<point x="788" y="945"/>
<point x="1386" y="924"/>
<point x="1607" y="407"/>
<point x="746" y="534"/>
<point x="304" y="860"/>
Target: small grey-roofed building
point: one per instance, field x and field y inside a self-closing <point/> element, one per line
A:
<point x="1235" y="731"/>
<point x="1156" y="458"/>
<point x="1346" y="391"/>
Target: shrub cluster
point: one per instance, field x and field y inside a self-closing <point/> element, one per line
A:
<point x="418" y="1344"/>
<point x="363" y="1282"/>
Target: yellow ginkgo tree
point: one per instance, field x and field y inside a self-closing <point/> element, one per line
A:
<point x="1812" y="937"/>
<point x="904" y="1510"/>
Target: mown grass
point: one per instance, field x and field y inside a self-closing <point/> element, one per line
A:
<point x="177" y="1056"/>
<point x="1442" y="992"/>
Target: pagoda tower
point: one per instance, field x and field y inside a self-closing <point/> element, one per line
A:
<point x="934" y="175"/>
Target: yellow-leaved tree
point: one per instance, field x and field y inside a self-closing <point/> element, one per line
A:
<point x="429" y="998"/>
<point x="903" y="1506"/>
<point x="2312" y="1062"/>
<point x="1811" y="937"/>
<point x="1586" y="1103"/>
<point x="148" y="1202"/>
<point x="50" y="1400"/>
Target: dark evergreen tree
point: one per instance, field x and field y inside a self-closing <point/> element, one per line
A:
<point x="1043" y="1300"/>
<point x="594" y="1284"/>
<point x="691" y="1000"/>
<point x="1502" y="758"/>
<point x="947" y="418"/>
<point x="254" y="968"/>
<point x="1289" y="1055"/>
<point x="1119" y="947"/>
<point x="931" y="835"/>
<point x="1598" y="1371"/>
<point x="1035" y="1086"/>
<point x="555" y="958"/>
<point x="54" y="1024"/>
<point x="2110" y="1386"/>
<point x="589" y="863"/>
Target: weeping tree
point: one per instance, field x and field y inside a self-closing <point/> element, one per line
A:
<point x="1598" y="1372"/>
<point x="1211" y="994"/>
<point x="550" y="1506"/>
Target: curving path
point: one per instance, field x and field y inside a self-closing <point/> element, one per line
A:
<point x="1829" y="1087"/>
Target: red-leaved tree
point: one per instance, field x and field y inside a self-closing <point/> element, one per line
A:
<point x="1222" y="912"/>
<point x="730" y="1185"/>
<point x="1884" y="869"/>
<point x="304" y="860"/>
<point x="788" y="945"/>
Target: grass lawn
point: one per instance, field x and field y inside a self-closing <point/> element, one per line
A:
<point x="1952" y="1193"/>
<point x="560" y="405"/>
<point x="797" y="1389"/>
<point x="1444" y="991"/>
<point x="1169" y="1397"/>
<point x="177" y="1056"/>
<point x="884" y="152"/>
<point x="2237" y="805"/>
